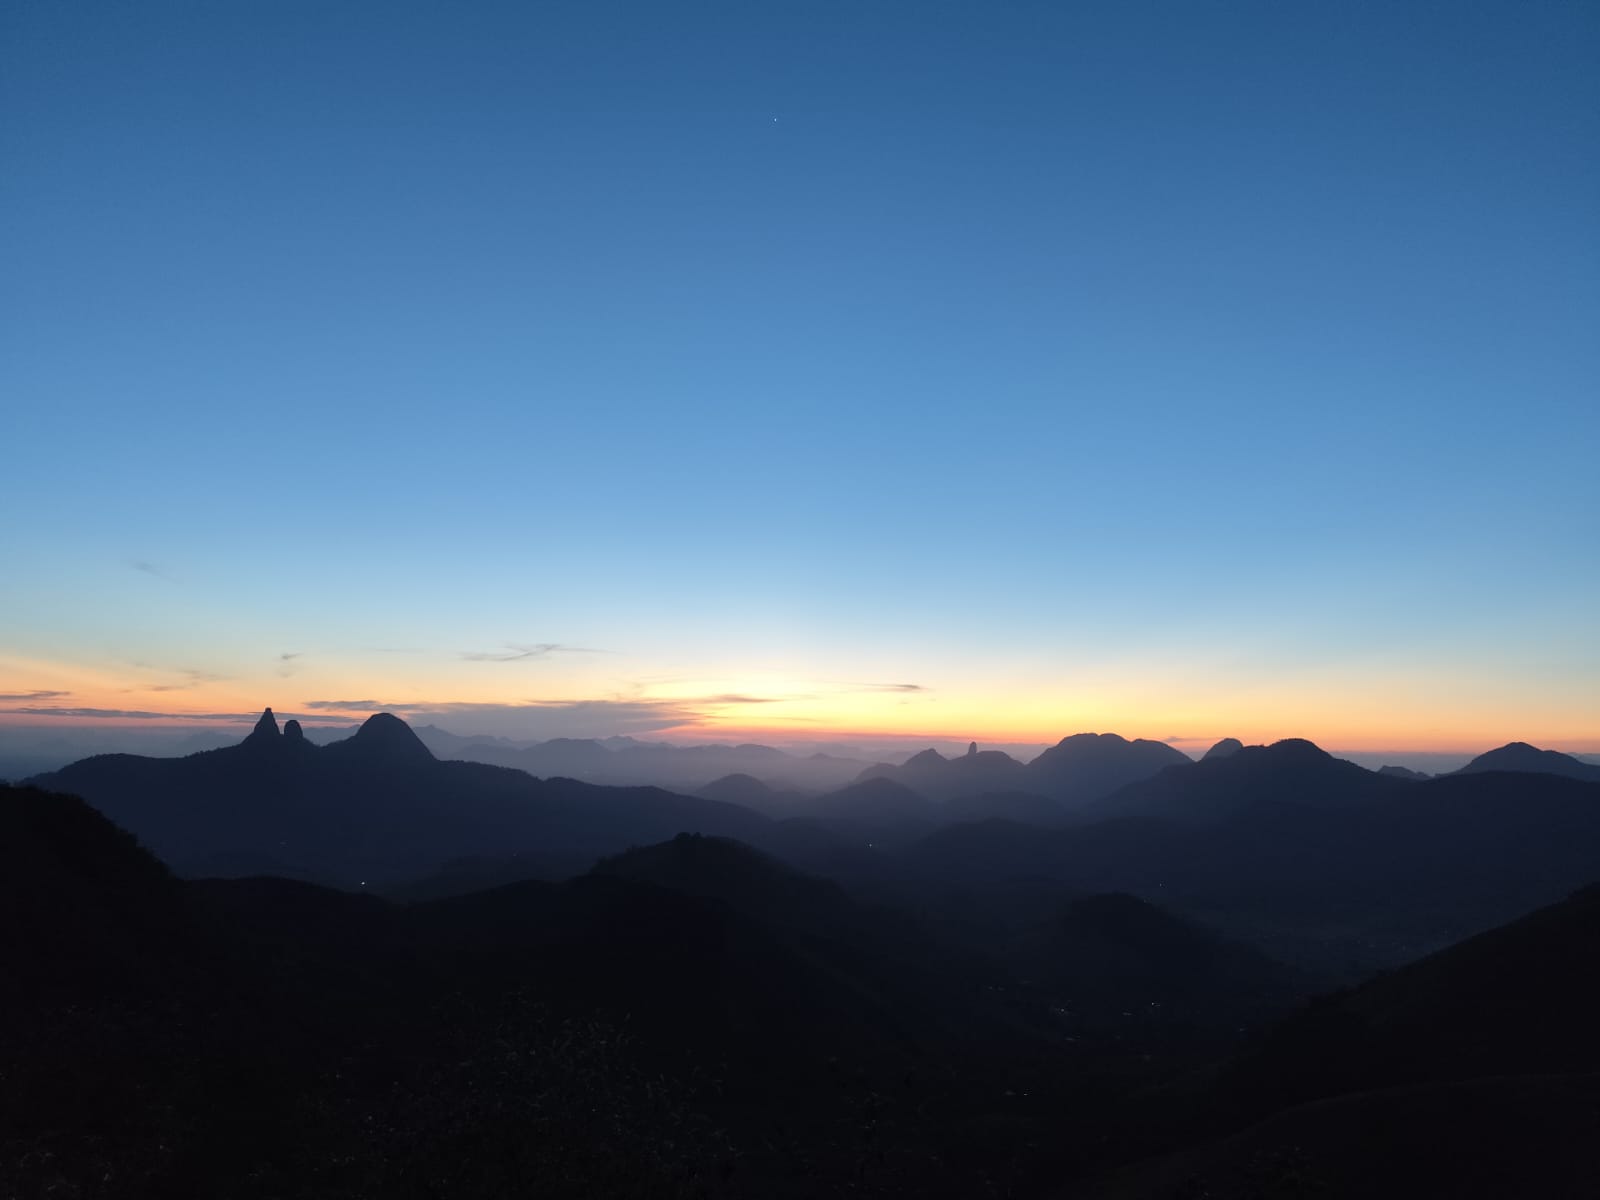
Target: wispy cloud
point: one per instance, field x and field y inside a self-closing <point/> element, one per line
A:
<point x="31" y="697"/>
<point x="522" y="652"/>
<point x="736" y="698"/>
<point x="146" y="567"/>
<point x="286" y="664"/>
<point x="191" y="679"/>
<point x="39" y="710"/>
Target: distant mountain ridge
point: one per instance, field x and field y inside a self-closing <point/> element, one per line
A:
<point x="1290" y="771"/>
<point x="1077" y="771"/>
<point x="626" y="762"/>
<point x="1519" y="756"/>
<point x="373" y="806"/>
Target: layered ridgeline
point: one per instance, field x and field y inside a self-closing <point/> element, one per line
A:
<point x="628" y="762"/>
<point x="696" y="1018"/>
<point x="1315" y="858"/>
<point x="1321" y="862"/>
<point x="1075" y="772"/>
<point x="375" y="807"/>
<point x="689" y="1018"/>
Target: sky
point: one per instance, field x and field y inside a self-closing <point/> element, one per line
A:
<point x="804" y="371"/>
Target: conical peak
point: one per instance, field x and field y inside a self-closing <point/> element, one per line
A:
<point x="388" y="735"/>
<point x="1224" y="749"/>
<point x="266" y="727"/>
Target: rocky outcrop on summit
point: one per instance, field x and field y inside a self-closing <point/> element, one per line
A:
<point x="933" y="775"/>
<point x="266" y="729"/>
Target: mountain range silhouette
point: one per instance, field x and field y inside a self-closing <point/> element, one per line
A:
<point x="586" y="990"/>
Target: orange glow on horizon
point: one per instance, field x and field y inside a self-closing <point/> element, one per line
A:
<point x="1423" y="715"/>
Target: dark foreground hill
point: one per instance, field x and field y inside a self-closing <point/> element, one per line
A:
<point x="692" y="1018"/>
<point x="598" y="1037"/>
<point x="696" y="1018"/>
<point x="1475" y="1072"/>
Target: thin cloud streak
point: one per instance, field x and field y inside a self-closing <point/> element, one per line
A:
<point x="146" y="567"/>
<point x="522" y="652"/>
<point x="129" y="714"/>
<point x="191" y="679"/>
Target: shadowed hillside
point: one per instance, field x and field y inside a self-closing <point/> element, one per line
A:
<point x="1475" y="1072"/>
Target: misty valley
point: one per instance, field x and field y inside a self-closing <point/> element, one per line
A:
<point x="369" y="967"/>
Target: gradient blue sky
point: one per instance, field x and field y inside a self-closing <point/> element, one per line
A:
<point x="1005" y="369"/>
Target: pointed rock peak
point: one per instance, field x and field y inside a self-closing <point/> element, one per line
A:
<point x="927" y="758"/>
<point x="266" y="727"/>
<point x="388" y="735"/>
<point x="1223" y="749"/>
<point x="972" y="749"/>
<point x="292" y="731"/>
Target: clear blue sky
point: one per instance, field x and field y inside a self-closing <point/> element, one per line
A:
<point x="1154" y="362"/>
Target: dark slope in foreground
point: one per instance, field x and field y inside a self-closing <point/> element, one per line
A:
<point x="1475" y="1072"/>
<point x="1518" y="999"/>
<point x="283" y="1038"/>
<point x="687" y="1007"/>
<point x="1108" y="948"/>
<point x="375" y="807"/>
<point x="1482" y="1139"/>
